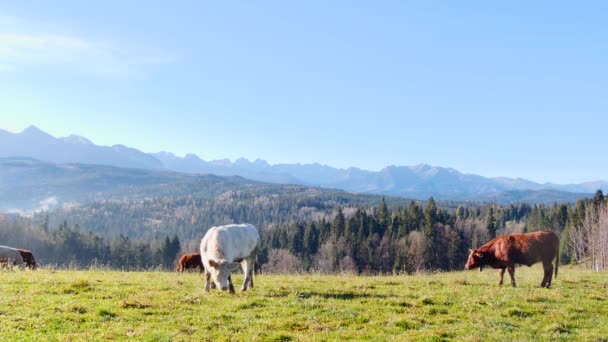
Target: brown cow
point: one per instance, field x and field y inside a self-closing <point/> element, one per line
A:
<point x="190" y="261"/>
<point x="527" y="249"/>
<point x="28" y="258"/>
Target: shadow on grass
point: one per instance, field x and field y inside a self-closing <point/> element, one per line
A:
<point x="339" y="295"/>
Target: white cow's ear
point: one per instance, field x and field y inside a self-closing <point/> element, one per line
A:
<point x="213" y="263"/>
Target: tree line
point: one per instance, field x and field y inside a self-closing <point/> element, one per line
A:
<point x="327" y="234"/>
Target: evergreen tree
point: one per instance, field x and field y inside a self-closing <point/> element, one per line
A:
<point x="416" y="216"/>
<point x="491" y="224"/>
<point x="460" y="212"/>
<point x="383" y="216"/>
<point x="311" y="239"/>
<point x="364" y="231"/>
<point x="430" y="234"/>
<point x="352" y="228"/>
<point x="403" y="223"/>
<point x="176" y="246"/>
<point x="598" y="198"/>
<point x="169" y="250"/>
<point x="393" y="229"/>
<point x="338" y="225"/>
<point x="296" y="245"/>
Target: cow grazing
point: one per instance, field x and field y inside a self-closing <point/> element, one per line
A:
<point x="527" y="249"/>
<point x="10" y="257"/>
<point x="224" y="248"/>
<point x="28" y="258"/>
<point x="190" y="261"/>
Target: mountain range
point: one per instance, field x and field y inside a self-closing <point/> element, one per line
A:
<point x="419" y="181"/>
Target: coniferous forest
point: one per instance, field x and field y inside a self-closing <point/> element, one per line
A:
<point x="319" y="232"/>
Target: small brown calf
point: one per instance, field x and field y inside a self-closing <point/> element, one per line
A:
<point x="190" y="261"/>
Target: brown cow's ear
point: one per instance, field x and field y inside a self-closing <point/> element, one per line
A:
<point x="213" y="263"/>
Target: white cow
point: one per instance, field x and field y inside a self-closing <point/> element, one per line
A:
<point x="10" y="256"/>
<point x="225" y="247"/>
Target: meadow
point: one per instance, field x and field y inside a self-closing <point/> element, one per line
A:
<point x="91" y="305"/>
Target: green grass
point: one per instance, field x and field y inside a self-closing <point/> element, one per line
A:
<point x="156" y="306"/>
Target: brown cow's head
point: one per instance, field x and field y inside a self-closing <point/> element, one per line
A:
<point x="476" y="259"/>
<point x="220" y="270"/>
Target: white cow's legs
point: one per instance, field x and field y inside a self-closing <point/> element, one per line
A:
<point x="247" y="266"/>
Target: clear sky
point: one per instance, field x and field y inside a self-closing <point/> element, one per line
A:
<point x="516" y="89"/>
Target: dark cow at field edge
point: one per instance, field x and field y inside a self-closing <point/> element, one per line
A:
<point x="190" y="261"/>
<point x="10" y="256"/>
<point x="504" y="252"/>
<point x="28" y="258"/>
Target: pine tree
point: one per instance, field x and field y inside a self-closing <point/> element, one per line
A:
<point x="165" y="252"/>
<point x="176" y="246"/>
<point x="460" y="212"/>
<point x="416" y="217"/>
<point x="296" y="245"/>
<point x="491" y="224"/>
<point x="311" y="239"/>
<point x="430" y="233"/>
<point x="352" y="228"/>
<point x="364" y="231"/>
<point x="598" y="198"/>
<point x="338" y="225"/>
<point x="393" y="229"/>
<point x="383" y="216"/>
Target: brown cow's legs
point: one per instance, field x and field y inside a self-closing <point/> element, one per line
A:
<point x="511" y="270"/>
<point x="501" y="274"/>
<point x="548" y="268"/>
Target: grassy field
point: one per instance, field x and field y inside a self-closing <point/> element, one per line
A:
<point x="158" y="306"/>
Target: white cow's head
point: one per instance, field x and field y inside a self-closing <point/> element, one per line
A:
<point x="220" y="270"/>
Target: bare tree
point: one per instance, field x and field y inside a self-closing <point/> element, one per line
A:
<point x="325" y="259"/>
<point x="602" y="239"/>
<point x="589" y="237"/>
<point x="348" y="265"/>
<point x="282" y="261"/>
<point x="417" y="244"/>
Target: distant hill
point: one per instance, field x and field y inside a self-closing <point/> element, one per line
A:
<point x="28" y="184"/>
<point x="419" y="181"/>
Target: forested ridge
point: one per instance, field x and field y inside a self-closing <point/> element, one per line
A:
<point x="302" y="231"/>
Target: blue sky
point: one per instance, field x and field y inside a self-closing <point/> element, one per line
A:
<point x="513" y="89"/>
